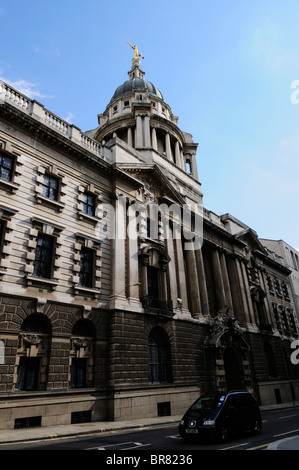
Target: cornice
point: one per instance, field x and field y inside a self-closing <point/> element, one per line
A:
<point x="49" y="136"/>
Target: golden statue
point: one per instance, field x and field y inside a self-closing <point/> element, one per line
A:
<point x="137" y="54"/>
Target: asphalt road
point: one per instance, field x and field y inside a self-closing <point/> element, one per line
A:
<point x="276" y="425"/>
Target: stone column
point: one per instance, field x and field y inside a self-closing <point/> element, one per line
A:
<point x="181" y="276"/>
<point x="118" y="252"/>
<point x="168" y="147"/>
<point x="147" y="134"/>
<point x="244" y="315"/>
<point x="172" y="270"/>
<point x="193" y="284"/>
<point x="133" y="277"/>
<point x="217" y="274"/>
<point x="194" y="166"/>
<point x="129" y="136"/>
<point x="177" y="154"/>
<point x="268" y="303"/>
<point x="251" y="315"/>
<point x="226" y="284"/>
<point x="202" y="283"/>
<point x="154" y="139"/>
<point x="139" y="133"/>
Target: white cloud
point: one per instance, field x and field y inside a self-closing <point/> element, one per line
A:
<point x="27" y="88"/>
<point x="267" y="44"/>
<point x="49" y="49"/>
<point x="69" y="117"/>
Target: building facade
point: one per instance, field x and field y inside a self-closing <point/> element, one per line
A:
<point x="290" y="257"/>
<point x="121" y="296"/>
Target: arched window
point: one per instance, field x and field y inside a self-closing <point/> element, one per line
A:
<point x="33" y="353"/>
<point x="35" y="323"/>
<point x="159" y="365"/>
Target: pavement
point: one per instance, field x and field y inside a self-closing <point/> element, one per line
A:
<point x="10" y="436"/>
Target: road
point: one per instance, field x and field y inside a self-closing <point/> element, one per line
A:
<point x="277" y="425"/>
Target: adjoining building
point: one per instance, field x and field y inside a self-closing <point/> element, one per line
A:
<point x="290" y="257"/>
<point x="121" y="296"/>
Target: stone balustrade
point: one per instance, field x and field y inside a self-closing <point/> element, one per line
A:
<point x="33" y="108"/>
<point x="9" y="94"/>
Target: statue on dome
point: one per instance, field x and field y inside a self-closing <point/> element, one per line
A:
<point x="137" y="54"/>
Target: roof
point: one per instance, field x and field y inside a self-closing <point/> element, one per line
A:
<point x="133" y="84"/>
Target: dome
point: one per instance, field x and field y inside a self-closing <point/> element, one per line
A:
<point x="134" y="84"/>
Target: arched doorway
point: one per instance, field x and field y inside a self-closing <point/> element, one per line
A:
<point x="229" y="354"/>
<point x="233" y="373"/>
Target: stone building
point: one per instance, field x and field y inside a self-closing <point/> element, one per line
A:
<point x="120" y="295"/>
<point x="290" y="257"/>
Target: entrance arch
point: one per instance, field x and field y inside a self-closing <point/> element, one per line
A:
<point x="233" y="372"/>
<point x="229" y="354"/>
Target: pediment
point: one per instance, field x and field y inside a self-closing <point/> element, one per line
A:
<point x="155" y="186"/>
<point x="249" y="237"/>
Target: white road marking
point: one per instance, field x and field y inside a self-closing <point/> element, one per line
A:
<point x="284" y="433"/>
<point x="120" y="444"/>
<point x="232" y="447"/>
<point x="284" y="417"/>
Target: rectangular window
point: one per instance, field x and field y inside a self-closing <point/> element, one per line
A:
<point x="89" y="204"/>
<point x="164" y="408"/>
<point x="152" y="282"/>
<point x="50" y="187"/>
<point x="86" y="267"/>
<point x="78" y="373"/>
<point x="28" y="373"/>
<point x="43" y="257"/>
<point x="81" y="417"/>
<point x="6" y="167"/>
<point x="29" y="422"/>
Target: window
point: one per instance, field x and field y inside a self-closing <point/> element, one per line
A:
<point x="43" y="257"/>
<point x="35" y="323"/>
<point x="7" y="225"/>
<point x="50" y="187"/>
<point x="89" y="204"/>
<point x="81" y="373"/>
<point x="152" y="282"/>
<point x="6" y="167"/>
<point x="28" y="373"/>
<point x="32" y="355"/>
<point x="188" y="167"/>
<point x="86" y="267"/>
<point x="158" y="356"/>
<point x="78" y="373"/>
<point x="44" y="253"/>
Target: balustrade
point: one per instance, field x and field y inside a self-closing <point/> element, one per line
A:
<point x="35" y="109"/>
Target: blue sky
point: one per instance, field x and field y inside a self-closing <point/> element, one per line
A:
<point x="224" y="67"/>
